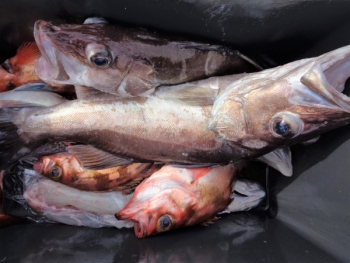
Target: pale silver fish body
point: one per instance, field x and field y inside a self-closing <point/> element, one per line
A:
<point x="143" y="129"/>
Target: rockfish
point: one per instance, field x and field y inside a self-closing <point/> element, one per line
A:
<point x="127" y="61"/>
<point x="176" y="197"/>
<point x="251" y="116"/>
<point x="20" y="69"/>
<point x="66" y="169"/>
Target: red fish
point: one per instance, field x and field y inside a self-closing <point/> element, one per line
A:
<point x="66" y="169"/>
<point x="175" y="197"/>
<point x="20" y="69"/>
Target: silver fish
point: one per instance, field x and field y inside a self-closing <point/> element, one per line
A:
<point x="251" y="116"/>
<point x="127" y="61"/>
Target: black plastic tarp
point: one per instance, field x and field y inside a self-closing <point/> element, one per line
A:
<point x="308" y="220"/>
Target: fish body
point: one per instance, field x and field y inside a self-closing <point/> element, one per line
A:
<point x="127" y="61"/>
<point x="66" y="168"/>
<point x="61" y="203"/>
<point x="175" y="197"/>
<point x="20" y="69"/>
<point x="251" y="116"/>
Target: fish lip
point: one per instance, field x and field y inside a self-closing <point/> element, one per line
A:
<point x="139" y="230"/>
<point x="49" y="67"/>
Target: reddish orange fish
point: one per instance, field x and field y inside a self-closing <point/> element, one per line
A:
<point x="20" y="69"/>
<point x="66" y="169"/>
<point x="174" y="197"/>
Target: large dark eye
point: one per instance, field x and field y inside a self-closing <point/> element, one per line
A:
<point x="98" y="55"/>
<point x="281" y="127"/>
<point x="55" y="173"/>
<point x="286" y="125"/>
<point x="164" y="223"/>
<point x="99" y="61"/>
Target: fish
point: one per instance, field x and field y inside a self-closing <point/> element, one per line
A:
<point x="176" y="197"/>
<point x="250" y="117"/>
<point x="20" y="69"/>
<point x="125" y="61"/>
<point x="67" y="169"/>
<point x="61" y="203"/>
<point x="29" y="95"/>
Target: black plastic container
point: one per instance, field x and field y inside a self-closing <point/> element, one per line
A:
<point x="308" y="220"/>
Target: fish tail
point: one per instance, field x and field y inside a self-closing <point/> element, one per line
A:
<point x="12" y="145"/>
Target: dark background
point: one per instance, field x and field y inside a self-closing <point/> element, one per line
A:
<point x="309" y="215"/>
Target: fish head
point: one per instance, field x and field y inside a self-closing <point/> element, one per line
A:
<point x="58" y="167"/>
<point x="175" y="197"/>
<point x="76" y="54"/>
<point x="159" y="205"/>
<point x="285" y="105"/>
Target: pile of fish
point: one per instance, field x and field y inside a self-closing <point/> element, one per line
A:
<point x="127" y="127"/>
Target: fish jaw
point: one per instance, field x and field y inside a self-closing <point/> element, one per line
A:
<point x="53" y="66"/>
<point x="304" y="96"/>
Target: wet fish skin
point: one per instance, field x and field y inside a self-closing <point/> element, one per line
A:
<point x="138" y="60"/>
<point x="251" y="116"/>
<point x="177" y="197"/>
<point x="67" y="169"/>
<point x="148" y="129"/>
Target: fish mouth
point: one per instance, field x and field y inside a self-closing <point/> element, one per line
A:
<point x="49" y="67"/>
<point x="139" y="230"/>
<point x="140" y="226"/>
<point x="328" y="76"/>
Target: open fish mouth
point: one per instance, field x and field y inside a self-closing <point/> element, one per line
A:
<point x="328" y="76"/>
<point x="49" y="66"/>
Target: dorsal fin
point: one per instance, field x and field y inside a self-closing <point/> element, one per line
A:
<point x="95" y="20"/>
<point x="27" y="52"/>
<point x="96" y="159"/>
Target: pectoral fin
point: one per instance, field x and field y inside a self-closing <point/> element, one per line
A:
<point x="96" y="159"/>
<point x="280" y="159"/>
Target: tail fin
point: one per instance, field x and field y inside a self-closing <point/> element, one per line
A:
<point x="12" y="146"/>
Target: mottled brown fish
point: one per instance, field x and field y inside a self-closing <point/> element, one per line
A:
<point x="176" y="197"/>
<point x="252" y="116"/>
<point x="127" y="61"/>
<point x="67" y="169"/>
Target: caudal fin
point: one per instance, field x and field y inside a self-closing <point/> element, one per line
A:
<point x="12" y="146"/>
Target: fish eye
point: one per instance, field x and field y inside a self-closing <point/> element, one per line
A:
<point x="98" y="55"/>
<point x="55" y="173"/>
<point x="286" y="125"/>
<point x="164" y="223"/>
